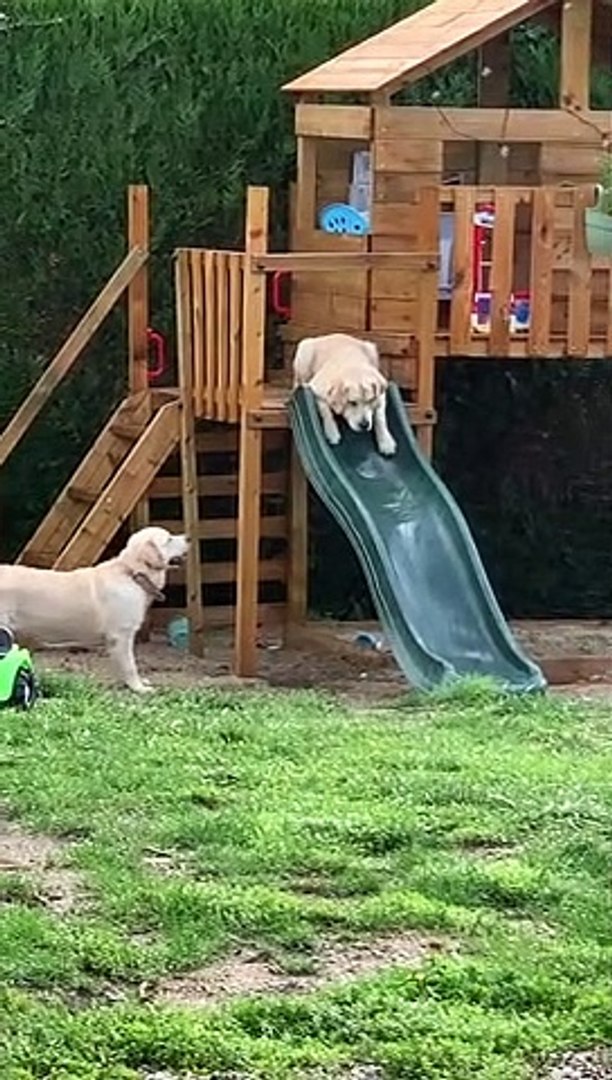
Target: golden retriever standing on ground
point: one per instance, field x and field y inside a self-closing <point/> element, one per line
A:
<point x="344" y="375"/>
<point x="99" y="605"/>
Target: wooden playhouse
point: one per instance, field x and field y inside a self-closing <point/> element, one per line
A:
<point x="465" y="237"/>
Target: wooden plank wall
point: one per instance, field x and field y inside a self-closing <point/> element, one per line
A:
<point x="538" y="246"/>
<point x="217" y="447"/>
<point x="211" y="308"/>
<point x="326" y="301"/>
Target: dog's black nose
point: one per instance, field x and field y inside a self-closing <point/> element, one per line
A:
<point x="364" y="425"/>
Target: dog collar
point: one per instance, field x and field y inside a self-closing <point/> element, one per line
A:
<point x="145" y="583"/>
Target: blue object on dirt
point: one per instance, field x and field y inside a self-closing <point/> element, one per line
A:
<point x="365" y="640"/>
<point x="342" y="219"/>
<point x="178" y="630"/>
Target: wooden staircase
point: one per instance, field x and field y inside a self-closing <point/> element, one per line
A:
<point x="107" y="485"/>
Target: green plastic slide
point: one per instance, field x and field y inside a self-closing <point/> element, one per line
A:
<point x="427" y="581"/>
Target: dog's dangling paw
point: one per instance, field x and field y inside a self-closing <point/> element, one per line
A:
<point x="387" y="446"/>
<point x="333" y="436"/>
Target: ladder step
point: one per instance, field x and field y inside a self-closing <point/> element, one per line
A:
<point x="129" y="432"/>
<point x="82" y="495"/>
<point x="42" y="560"/>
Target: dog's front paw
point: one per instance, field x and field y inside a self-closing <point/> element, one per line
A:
<point x="142" y="687"/>
<point x="333" y="436"/>
<point x="387" y="445"/>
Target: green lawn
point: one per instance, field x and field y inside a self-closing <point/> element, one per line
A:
<point x="292" y="820"/>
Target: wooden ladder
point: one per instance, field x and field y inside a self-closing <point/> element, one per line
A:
<point x="107" y="485"/>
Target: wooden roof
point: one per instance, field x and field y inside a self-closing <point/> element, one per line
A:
<point x="417" y="45"/>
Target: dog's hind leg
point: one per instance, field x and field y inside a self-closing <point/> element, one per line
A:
<point x="121" y="651"/>
<point x="303" y="362"/>
<point x="384" y="439"/>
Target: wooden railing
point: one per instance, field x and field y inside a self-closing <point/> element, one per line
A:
<point x="538" y="253"/>
<point x="211" y="299"/>
<point x="64" y="360"/>
<point x="227" y="369"/>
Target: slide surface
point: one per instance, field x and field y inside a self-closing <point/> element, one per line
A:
<point x="427" y="581"/>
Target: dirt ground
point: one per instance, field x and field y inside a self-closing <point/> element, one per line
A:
<point x="345" y="667"/>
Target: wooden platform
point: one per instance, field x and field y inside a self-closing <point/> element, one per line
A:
<point x="274" y="413"/>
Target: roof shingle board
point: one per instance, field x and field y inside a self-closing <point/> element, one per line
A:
<point x="417" y="45"/>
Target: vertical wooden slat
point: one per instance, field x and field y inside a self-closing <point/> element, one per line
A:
<point x="235" y="335"/>
<point x="463" y="271"/>
<point x="138" y="319"/>
<point x="188" y="453"/>
<point x="574" y="80"/>
<point x="198" y="317"/>
<point x="542" y="239"/>
<point x="138" y="289"/>
<point x="249" y="485"/>
<point x="428" y="240"/>
<point x="502" y="269"/>
<point x="210" y="305"/>
<point x="297" y="579"/>
<point x="579" y="315"/>
<point x="222" y="334"/>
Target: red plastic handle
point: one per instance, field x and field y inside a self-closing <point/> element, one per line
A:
<point x="157" y="342"/>
<point x="279" y="306"/>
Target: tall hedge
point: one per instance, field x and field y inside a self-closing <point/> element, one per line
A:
<point x="95" y="94"/>
<point x="182" y="94"/>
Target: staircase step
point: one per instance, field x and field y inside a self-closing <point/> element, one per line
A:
<point x="114" y="443"/>
<point x="81" y="495"/>
<point x="129" y="432"/>
<point x="123" y="490"/>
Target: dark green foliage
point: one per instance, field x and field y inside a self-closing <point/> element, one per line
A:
<point x="182" y="94"/>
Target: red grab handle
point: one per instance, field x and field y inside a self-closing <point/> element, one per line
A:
<point x="157" y="342"/>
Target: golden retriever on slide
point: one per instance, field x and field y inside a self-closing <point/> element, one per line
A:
<point x="98" y="605"/>
<point x="344" y="375"/>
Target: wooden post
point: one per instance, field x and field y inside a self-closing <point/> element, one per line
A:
<point x="189" y="462"/>
<point x="576" y="27"/>
<point x="249" y="485"/>
<point x="138" y="315"/>
<point x="493" y="90"/>
<point x="297" y="582"/>
<point x="428" y="240"/>
<point x="304" y="217"/>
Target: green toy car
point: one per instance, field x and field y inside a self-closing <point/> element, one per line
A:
<point x="18" y="688"/>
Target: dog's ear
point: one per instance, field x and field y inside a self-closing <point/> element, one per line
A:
<point x="371" y="351"/>
<point x="145" y="556"/>
<point x="303" y="361"/>
<point x="374" y="386"/>
<point x="337" y="397"/>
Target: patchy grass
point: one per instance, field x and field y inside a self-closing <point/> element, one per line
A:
<point x="207" y="823"/>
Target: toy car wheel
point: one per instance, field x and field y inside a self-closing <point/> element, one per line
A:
<point x="25" y="690"/>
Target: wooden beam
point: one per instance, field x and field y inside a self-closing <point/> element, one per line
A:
<point x="497" y="125"/>
<point x="297" y="581"/>
<point x="250" y="459"/>
<point x="64" y="360"/>
<point x="306" y="193"/>
<point x="333" y="122"/>
<point x="138" y="320"/>
<point x="138" y="290"/>
<point x="189" y="457"/>
<point x="341" y="261"/>
<point x="493" y="90"/>
<point x="428" y="236"/>
<point x="575" y="76"/>
<point x="502" y="270"/>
